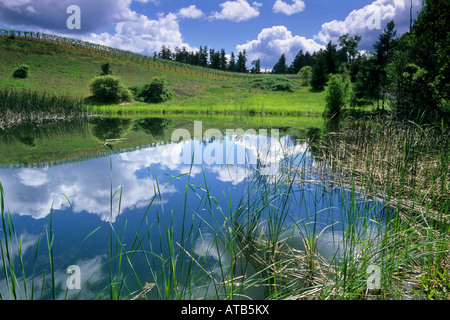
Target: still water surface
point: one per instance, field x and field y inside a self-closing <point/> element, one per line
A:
<point x="190" y="187"/>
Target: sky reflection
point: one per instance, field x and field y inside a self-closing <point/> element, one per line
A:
<point x="86" y="186"/>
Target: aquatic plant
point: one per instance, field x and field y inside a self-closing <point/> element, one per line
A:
<point x="17" y="106"/>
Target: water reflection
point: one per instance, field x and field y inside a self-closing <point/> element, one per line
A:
<point x="196" y="184"/>
<point x="34" y="191"/>
<point x="109" y="128"/>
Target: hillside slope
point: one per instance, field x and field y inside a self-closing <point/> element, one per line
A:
<point x="64" y="69"/>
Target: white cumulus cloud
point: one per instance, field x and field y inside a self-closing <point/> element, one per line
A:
<point x="143" y="35"/>
<point x="191" y="12"/>
<point x="271" y="43"/>
<point x="237" y="11"/>
<point x="370" y="21"/>
<point x="289" y="9"/>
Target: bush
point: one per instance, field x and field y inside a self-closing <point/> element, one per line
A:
<point x="305" y="74"/>
<point x="154" y="92"/>
<point x="272" y="83"/>
<point x="337" y="94"/>
<point x="109" y="89"/>
<point x="22" y="71"/>
<point x="106" y="69"/>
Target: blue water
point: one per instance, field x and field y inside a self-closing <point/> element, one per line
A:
<point x="79" y="203"/>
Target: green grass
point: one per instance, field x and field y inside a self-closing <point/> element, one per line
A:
<point x="18" y="106"/>
<point x="224" y="101"/>
<point x="61" y="70"/>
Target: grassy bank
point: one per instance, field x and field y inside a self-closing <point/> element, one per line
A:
<point x="226" y="101"/>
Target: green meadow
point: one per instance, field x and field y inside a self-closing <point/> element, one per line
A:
<point x="59" y="70"/>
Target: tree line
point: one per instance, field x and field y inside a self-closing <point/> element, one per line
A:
<point x="408" y="73"/>
<point x="210" y="58"/>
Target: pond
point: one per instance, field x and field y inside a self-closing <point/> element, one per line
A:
<point x="111" y="207"/>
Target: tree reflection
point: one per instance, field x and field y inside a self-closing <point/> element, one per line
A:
<point x="110" y="128"/>
<point x="156" y="127"/>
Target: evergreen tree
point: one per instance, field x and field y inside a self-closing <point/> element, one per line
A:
<point x="420" y="67"/>
<point x="365" y="88"/>
<point x="298" y="63"/>
<point x="331" y="58"/>
<point x="308" y="59"/>
<point x="257" y="66"/>
<point x="319" y="75"/>
<point x="106" y="69"/>
<point x="280" y="67"/>
<point x="214" y="58"/>
<point x="241" y="64"/>
<point x="223" y="60"/>
<point x="232" y="63"/>
<point x="165" y="53"/>
<point x="384" y="52"/>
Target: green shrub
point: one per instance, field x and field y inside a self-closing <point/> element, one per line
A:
<point x="22" y="71"/>
<point x="272" y="83"/>
<point x="109" y="89"/>
<point x="305" y="73"/>
<point x="154" y="92"/>
<point x="337" y="94"/>
<point x="106" y="69"/>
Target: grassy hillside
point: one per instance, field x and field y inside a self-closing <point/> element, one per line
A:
<point x="64" y="69"/>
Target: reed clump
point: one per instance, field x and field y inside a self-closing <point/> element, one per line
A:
<point x="406" y="166"/>
<point x="17" y="106"/>
<point x="403" y="162"/>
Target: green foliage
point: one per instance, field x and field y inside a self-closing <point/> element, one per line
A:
<point x="22" y="71"/>
<point x="280" y="67"/>
<point x="106" y="69"/>
<point x="24" y="105"/>
<point x="419" y="68"/>
<point x="109" y="89"/>
<point x="319" y="75"/>
<point x="366" y="83"/>
<point x="305" y="73"/>
<point x="156" y="127"/>
<point x="337" y="94"/>
<point x="275" y="83"/>
<point x="110" y="128"/>
<point x="154" y="92"/>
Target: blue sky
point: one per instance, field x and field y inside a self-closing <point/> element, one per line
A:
<point x="264" y="28"/>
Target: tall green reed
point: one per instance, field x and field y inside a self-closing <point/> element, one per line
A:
<point x="25" y="105"/>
